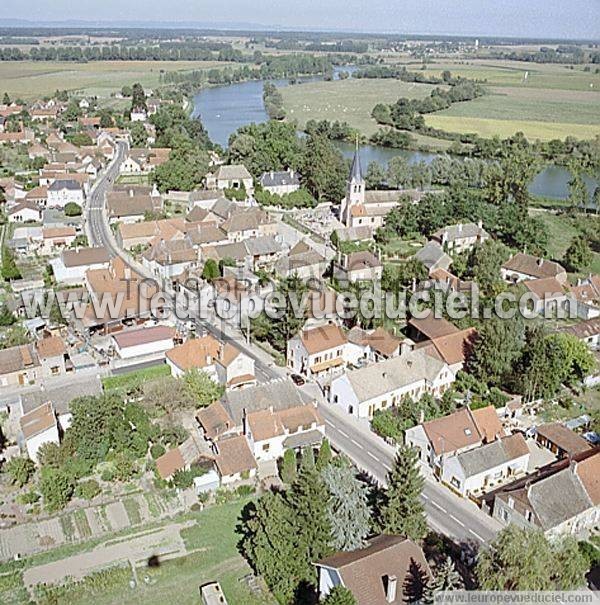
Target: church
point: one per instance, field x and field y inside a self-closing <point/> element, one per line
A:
<point x="368" y="208"/>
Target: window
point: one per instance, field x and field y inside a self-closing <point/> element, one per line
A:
<point x="511" y="502"/>
<point x="468" y="432"/>
<point x="455" y="482"/>
<point x="528" y="516"/>
<point x="266" y="447"/>
<point x="504" y="515"/>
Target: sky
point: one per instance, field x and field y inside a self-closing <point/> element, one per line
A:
<point x="523" y="18"/>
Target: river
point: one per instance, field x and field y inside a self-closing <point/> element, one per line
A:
<point x="224" y="109"/>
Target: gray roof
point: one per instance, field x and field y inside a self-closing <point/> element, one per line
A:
<point x="59" y="185"/>
<point x="386" y="376"/>
<point x="356" y="173"/>
<point x="233" y="172"/>
<point x="223" y="207"/>
<point x="61" y="396"/>
<point x="260" y="246"/>
<point x="278" y="394"/>
<point x="353" y="234"/>
<point x="486" y="457"/>
<point x="279" y="179"/>
<point x="432" y="256"/>
<point x="313" y="437"/>
<point x="558" y="498"/>
<point x="454" y="232"/>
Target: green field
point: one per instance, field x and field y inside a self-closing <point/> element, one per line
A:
<point x="520" y="74"/>
<point x="31" y="79"/>
<point x="346" y="100"/>
<point x="539" y="113"/>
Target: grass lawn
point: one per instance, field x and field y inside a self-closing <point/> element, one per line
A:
<point x="346" y="100"/>
<point x="133" y="379"/>
<point x="31" y="79"/>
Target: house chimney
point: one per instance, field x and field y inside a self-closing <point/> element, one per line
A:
<point x="131" y="193"/>
<point x="390" y="590"/>
<point x="460" y="227"/>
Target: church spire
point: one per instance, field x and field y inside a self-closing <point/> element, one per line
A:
<point x="356" y="170"/>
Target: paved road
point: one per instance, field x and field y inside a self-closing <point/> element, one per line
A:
<point x="100" y="234"/>
<point x="446" y="512"/>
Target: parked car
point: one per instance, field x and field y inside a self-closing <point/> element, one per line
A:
<point x="297" y="380"/>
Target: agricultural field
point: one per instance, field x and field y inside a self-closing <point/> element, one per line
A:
<point x="346" y="100"/>
<point x="539" y="113"/>
<point x="31" y="79"/>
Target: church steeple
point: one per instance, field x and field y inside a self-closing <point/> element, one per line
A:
<point x="355" y="188"/>
<point x="356" y="170"/>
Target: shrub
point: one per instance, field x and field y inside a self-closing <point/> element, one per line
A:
<point x="245" y="490"/>
<point x="107" y="475"/>
<point x="87" y="489"/>
<point x="157" y="450"/>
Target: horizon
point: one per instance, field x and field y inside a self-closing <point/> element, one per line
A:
<point x="537" y="20"/>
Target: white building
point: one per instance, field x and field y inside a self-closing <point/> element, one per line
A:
<point x="481" y="469"/>
<point x="271" y="432"/>
<point x="39" y="426"/>
<point x="140" y="342"/>
<point x="280" y="183"/>
<point x="63" y="192"/>
<point x="71" y="266"/>
<point x="461" y="237"/>
<point x="317" y="352"/>
<point x="364" y="391"/>
<point x="235" y="176"/>
<point x="24" y="212"/>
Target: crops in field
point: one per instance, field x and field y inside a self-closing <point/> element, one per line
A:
<point x="30" y="79"/>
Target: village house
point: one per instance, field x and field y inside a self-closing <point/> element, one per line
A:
<point x="38" y="195"/>
<point x="521" y="267"/>
<point x="302" y="261"/>
<point x="381" y="385"/>
<point x="168" y="259"/>
<point x="38" y="427"/>
<point x="560" y="440"/>
<point x="24" y="212"/>
<point x="460" y="238"/>
<point x="19" y="365"/>
<point x="453" y="349"/>
<point x="463" y="430"/>
<point x="271" y="417"/>
<point x="318" y="352"/>
<point x="475" y="471"/>
<point x="63" y="192"/>
<point x="201" y="198"/>
<point x="131" y="235"/>
<point x="378" y="574"/>
<point x="548" y="296"/>
<point x="52" y="354"/>
<point x="271" y="432"/>
<point x="587" y="331"/>
<point x="433" y="257"/>
<point x="586" y="296"/>
<point x="56" y="239"/>
<point x="125" y="299"/>
<point x="143" y="161"/>
<point x="223" y="363"/>
<point x="561" y="498"/>
<point x="132" y="206"/>
<point x="375" y="345"/>
<point x="234" y="459"/>
<point x="248" y="223"/>
<point x="180" y="458"/>
<point x="358" y="267"/>
<point x="153" y="341"/>
<point x="234" y="176"/>
<point x="280" y="183"/>
<point x="71" y="266"/>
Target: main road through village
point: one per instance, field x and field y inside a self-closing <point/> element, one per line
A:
<point x="447" y="513"/>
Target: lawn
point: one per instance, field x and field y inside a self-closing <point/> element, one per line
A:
<point x="132" y="380"/>
<point x="346" y="100"/>
<point x="31" y="79"/>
